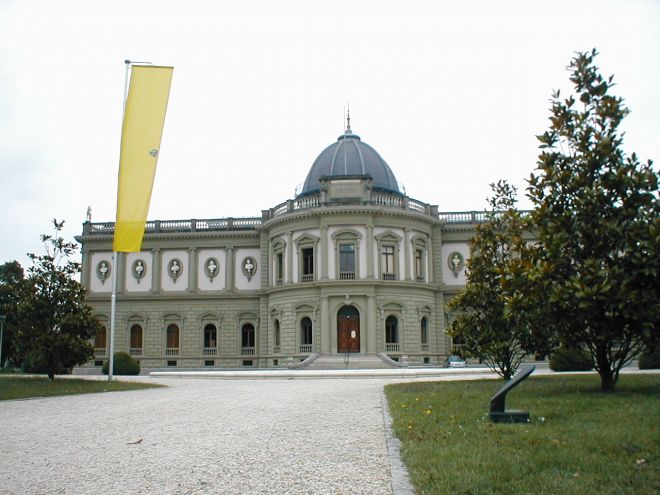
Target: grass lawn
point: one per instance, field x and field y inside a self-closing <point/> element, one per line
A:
<point x="22" y="387"/>
<point x="579" y="440"/>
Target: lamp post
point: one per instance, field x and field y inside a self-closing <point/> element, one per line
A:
<point x="2" y="327"/>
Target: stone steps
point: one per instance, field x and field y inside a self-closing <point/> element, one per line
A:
<point x="355" y="362"/>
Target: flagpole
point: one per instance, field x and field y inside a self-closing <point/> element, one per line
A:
<point x="115" y="258"/>
<point x="152" y="116"/>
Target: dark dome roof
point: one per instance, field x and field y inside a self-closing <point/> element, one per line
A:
<point x="349" y="156"/>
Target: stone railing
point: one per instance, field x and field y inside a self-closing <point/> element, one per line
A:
<point x="135" y="351"/>
<point x="168" y="226"/>
<point x="305" y="348"/>
<point x="380" y="199"/>
<point x="171" y="352"/>
<point x="391" y="347"/>
<point x="469" y="216"/>
<point x="210" y="351"/>
<point x="248" y="351"/>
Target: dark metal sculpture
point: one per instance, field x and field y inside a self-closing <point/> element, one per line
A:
<point x="498" y="413"/>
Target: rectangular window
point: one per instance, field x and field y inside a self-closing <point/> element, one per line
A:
<point x="307" y="264"/>
<point x="346" y="261"/>
<point x="419" y="257"/>
<point x="280" y="267"/>
<point x="209" y="363"/>
<point x="387" y="263"/>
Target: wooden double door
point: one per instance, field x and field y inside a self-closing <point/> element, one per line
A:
<point x="348" y="330"/>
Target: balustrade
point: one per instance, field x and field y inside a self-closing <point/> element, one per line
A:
<point x="171" y="352"/>
<point x="306" y="349"/>
<point x="248" y="351"/>
<point x="391" y="347"/>
<point x="210" y="351"/>
<point x="135" y="351"/>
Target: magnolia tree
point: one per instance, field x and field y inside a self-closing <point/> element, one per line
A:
<point x="11" y="281"/>
<point x="53" y="324"/>
<point x="496" y="311"/>
<point x="597" y="217"/>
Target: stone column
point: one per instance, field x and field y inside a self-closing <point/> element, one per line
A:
<point x="326" y="331"/>
<point x="372" y="346"/>
<point x="370" y="251"/>
<point x="406" y="254"/>
<point x="289" y="258"/>
<point x="324" y="252"/>
<point x="156" y="271"/>
<point x="428" y="268"/>
<point x="229" y="270"/>
<point x="121" y="276"/>
<point x="192" y="269"/>
<point x="86" y="275"/>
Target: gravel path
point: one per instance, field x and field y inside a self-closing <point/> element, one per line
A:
<point x="200" y="437"/>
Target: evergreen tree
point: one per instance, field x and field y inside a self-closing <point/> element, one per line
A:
<point x="54" y="325"/>
<point x="495" y="311"/>
<point x="11" y="282"/>
<point x="598" y="219"/>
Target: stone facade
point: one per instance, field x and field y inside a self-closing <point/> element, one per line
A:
<point x="347" y="268"/>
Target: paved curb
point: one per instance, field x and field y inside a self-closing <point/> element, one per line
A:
<point x="399" y="373"/>
<point x="398" y="472"/>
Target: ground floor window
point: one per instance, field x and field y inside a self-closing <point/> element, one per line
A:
<point x="136" y="340"/>
<point x="306" y="335"/>
<point x="100" y="339"/>
<point x="172" y="340"/>
<point x="424" y="331"/>
<point x="391" y="334"/>
<point x="247" y="340"/>
<point x="210" y="340"/>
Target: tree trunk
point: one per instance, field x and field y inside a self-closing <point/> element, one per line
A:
<point x="608" y="377"/>
<point x="51" y="375"/>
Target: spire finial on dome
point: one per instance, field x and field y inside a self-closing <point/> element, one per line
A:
<point x="348" y="118"/>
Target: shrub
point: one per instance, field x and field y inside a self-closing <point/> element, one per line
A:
<point x="35" y="363"/>
<point x="650" y="360"/>
<point x="124" y="364"/>
<point x="570" y="359"/>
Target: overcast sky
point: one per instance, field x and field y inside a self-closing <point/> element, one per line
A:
<point x="451" y="94"/>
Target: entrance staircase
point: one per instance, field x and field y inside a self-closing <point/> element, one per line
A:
<point x="355" y="362"/>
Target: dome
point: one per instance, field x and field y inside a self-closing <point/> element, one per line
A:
<point x="349" y="156"/>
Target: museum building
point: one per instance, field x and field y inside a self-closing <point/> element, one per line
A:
<point x="350" y="270"/>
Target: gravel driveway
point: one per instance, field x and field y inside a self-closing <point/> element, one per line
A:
<point x="200" y="437"/>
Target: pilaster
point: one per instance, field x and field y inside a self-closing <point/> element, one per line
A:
<point x="230" y="269"/>
<point x="156" y="271"/>
<point x="192" y="269"/>
<point x="406" y="254"/>
<point x="289" y="257"/>
<point x="370" y="251"/>
<point x="324" y="252"/>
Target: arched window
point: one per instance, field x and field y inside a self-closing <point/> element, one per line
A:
<point x="424" y="327"/>
<point x="247" y="340"/>
<point x="172" y="340"/>
<point x="391" y="334"/>
<point x="276" y="337"/>
<point x="305" y="335"/>
<point x="100" y="339"/>
<point x="136" y="340"/>
<point x="210" y="339"/>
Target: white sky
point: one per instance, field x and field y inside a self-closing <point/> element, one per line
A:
<point x="451" y="94"/>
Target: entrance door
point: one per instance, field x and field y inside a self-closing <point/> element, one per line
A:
<point x="348" y="330"/>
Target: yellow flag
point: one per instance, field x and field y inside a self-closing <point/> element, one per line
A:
<point x="144" y="118"/>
